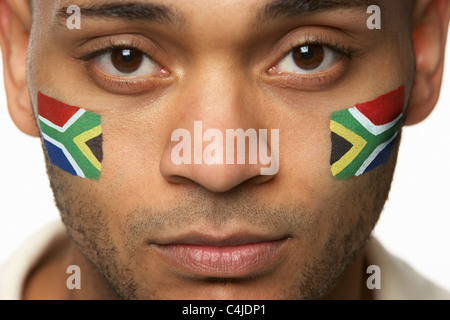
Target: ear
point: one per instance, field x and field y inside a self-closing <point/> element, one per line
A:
<point x="15" y="23"/>
<point x="431" y="19"/>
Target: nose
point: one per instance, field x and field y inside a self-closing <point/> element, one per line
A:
<point x="218" y="138"/>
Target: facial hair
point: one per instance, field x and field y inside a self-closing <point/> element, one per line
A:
<point x="350" y="223"/>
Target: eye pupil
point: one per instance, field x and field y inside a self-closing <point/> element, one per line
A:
<point x="127" y="55"/>
<point x="309" y="57"/>
<point x="307" y="53"/>
<point x="126" y="60"/>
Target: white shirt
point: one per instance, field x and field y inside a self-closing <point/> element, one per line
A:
<point x="398" y="280"/>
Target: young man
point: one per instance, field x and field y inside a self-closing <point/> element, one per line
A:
<point x="143" y="107"/>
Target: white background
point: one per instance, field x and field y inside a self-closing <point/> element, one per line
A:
<point x="415" y="224"/>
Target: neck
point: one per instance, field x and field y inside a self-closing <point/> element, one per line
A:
<point x="352" y="284"/>
<point x="49" y="280"/>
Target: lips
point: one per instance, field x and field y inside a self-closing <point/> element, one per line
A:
<point x="239" y="255"/>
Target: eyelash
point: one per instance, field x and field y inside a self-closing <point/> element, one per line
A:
<point x="331" y="44"/>
<point x="119" y="85"/>
<point x="108" y="49"/>
<point x="309" y="40"/>
<point x="127" y="84"/>
<point x="313" y="81"/>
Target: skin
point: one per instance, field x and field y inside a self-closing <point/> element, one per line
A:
<point x="218" y="71"/>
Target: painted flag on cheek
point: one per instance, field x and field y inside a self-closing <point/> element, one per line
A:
<point x="72" y="137"/>
<point x="363" y="137"/>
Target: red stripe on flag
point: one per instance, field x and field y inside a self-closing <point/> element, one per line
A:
<point x="385" y="108"/>
<point x="54" y="111"/>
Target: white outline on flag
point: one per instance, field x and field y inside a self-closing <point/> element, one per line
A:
<point x="372" y="128"/>
<point x="374" y="155"/>
<point x="69" y="122"/>
<point x="75" y="166"/>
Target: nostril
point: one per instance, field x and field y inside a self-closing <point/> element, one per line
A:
<point x="179" y="180"/>
<point x="217" y="179"/>
<point x="259" y="179"/>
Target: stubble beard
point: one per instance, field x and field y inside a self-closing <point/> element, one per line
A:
<point x="89" y="227"/>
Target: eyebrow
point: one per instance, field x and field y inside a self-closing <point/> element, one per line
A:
<point x="166" y="15"/>
<point x="148" y="12"/>
<point x="290" y="8"/>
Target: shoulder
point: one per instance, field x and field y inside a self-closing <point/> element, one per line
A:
<point x="16" y="270"/>
<point x="399" y="281"/>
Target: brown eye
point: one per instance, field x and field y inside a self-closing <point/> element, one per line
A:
<point x="126" y="60"/>
<point x="127" y="63"/>
<point x="308" y="57"/>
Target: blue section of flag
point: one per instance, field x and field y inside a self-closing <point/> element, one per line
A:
<point x="382" y="157"/>
<point x="58" y="158"/>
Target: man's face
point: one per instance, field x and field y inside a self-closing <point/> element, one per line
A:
<point x="155" y="229"/>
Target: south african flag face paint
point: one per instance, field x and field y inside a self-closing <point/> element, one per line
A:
<point x="72" y="137"/>
<point x="363" y="137"/>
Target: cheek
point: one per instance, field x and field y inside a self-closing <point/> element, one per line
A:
<point x="130" y="176"/>
<point x="322" y="161"/>
<point x="363" y="137"/>
<point x="131" y="164"/>
<point x="305" y="160"/>
<point x="72" y="137"/>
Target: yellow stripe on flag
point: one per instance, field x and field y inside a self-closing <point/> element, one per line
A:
<point x="357" y="142"/>
<point x="81" y="140"/>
